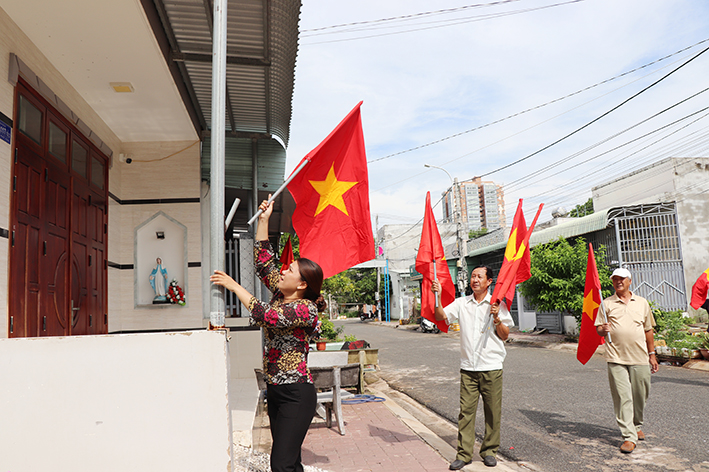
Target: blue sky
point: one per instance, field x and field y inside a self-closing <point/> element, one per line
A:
<point x="437" y="81"/>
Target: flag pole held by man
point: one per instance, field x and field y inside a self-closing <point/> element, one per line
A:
<point x="517" y="261"/>
<point x="431" y="264"/>
<point x="516" y="265"/>
<point x="589" y="339"/>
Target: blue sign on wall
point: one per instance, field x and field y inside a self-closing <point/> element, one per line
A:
<point x="5" y="132"/>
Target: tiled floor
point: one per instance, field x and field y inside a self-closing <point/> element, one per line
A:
<point x="376" y="440"/>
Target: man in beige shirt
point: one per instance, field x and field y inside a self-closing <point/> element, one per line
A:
<point x="630" y="356"/>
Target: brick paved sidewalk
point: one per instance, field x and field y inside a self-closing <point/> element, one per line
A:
<point x="376" y="440"/>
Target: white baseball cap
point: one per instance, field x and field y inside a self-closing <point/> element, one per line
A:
<point x="620" y="272"/>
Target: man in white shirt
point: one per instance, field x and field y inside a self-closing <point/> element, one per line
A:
<point x="482" y="351"/>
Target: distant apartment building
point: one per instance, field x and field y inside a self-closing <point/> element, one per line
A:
<point x="481" y="204"/>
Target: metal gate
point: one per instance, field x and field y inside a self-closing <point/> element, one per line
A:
<point x="239" y="262"/>
<point x="648" y="244"/>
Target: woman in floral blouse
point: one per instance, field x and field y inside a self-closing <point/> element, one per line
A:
<point x="289" y="320"/>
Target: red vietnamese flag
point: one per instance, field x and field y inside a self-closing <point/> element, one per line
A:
<point x="287" y="255"/>
<point x="699" y="290"/>
<point x="589" y="340"/>
<point x="430" y="255"/>
<point x="331" y="194"/>
<point x="516" y="264"/>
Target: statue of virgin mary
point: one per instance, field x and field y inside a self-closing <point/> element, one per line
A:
<point x="158" y="280"/>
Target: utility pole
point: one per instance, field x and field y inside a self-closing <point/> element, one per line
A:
<point x="379" y="271"/>
<point x="461" y="239"/>
<point x="460" y="236"/>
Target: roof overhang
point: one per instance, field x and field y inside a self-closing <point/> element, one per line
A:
<point x="575" y="227"/>
<point x="163" y="50"/>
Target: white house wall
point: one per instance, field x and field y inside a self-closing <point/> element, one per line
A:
<point x="148" y="178"/>
<point x="131" y="402"/>
<point x="401" y="243"/>
<point x="177" y="176"/>
<point x="692" y="183"/>
<point x="684" y="181"/>
<point x="647" y="185"/>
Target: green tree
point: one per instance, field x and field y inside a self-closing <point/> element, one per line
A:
<point x="355" y="286"/>
<point x="582" y="209"/>
<point x="472" y="234"/>
<point x="559" y="276"/>
<point x="350" y="286"/>
<point x="295" y="243"/>
<point x="340" y="286"/>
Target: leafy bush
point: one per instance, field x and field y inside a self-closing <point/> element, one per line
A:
<point x="332" y="334"/>
<point x="559" y="276"/>
<point x="703" y="341"/>
<point x="328" y="330"/>
<point x="671" y="327"/>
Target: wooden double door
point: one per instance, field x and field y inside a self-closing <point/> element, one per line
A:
<point x="57" y="284"/>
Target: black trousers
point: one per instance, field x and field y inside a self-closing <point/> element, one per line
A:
<point x="290" y="410"/>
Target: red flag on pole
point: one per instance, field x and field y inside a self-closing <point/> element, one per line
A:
<point x="287" y="255"/>
<point x="517" y="261"/>
<point x="699" y="290"/>
<point x="331" y="195"/>
<point x="431" y="264"/>
<point x="589" y="340"/>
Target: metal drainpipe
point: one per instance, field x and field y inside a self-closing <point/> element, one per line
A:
<point x="255" y="204"/>
<point x="217" y="166"/>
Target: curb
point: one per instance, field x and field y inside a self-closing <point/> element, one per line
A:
<point x="444" y="449"/>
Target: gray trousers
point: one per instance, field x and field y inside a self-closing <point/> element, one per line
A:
<point x="630" y="387"/>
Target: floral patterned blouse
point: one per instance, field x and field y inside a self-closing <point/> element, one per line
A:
<point x="288" y="327"/>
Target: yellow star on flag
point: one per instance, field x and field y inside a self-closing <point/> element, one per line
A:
<point x="589" y="305"/>
<point x="512" y="252"/>
<point x="331" y="191"/>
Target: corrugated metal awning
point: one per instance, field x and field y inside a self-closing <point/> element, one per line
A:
<point x="576" y="227"/>
<point x="262" y="44"/>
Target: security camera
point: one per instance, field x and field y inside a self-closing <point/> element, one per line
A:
<point x="124" y="158"/>
<point x="128" y="160"/>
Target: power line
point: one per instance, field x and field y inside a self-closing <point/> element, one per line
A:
<point x="598" y="143"/>
<point x="559" y="198"/>
<point x="415" y="148"/>
<point x="638" y="164"/>
<point x="616" y="160"/>
<point x="450" y="23"/>
<point x="595" y="119"/>
<point x="409" y="17"/>
<point x="510" y="136"/>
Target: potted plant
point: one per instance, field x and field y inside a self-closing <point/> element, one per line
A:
<point x="704" y="345"/>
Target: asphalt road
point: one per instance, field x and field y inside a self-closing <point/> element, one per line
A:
<point x="557" y="414"/>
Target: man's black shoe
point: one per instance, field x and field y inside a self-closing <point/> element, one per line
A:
<point x="490" y="461"/>
<point x="458" y="464"/>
